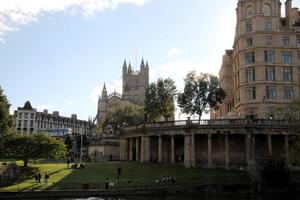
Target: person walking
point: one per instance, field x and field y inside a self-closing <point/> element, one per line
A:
<point x="36" y="178"/>
<point x="39" y="177"/>
<point x="46" y="179"/>
<point x="106" y="183"/>
<point x="68" y="162"/>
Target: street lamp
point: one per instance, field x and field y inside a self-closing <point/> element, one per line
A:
<point x="81" y="143"/>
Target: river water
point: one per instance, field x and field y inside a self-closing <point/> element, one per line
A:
<point x="209" y="197"/>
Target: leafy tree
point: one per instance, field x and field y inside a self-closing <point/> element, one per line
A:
<point x="34" y="146"/>
<point x="85" y="141"/>
<point x="160" y="99"/>
<point x="5" y="119"/>
<point x="200" y="93"/>
<point x="68" y="142"/>
<point x="125" y="113"/>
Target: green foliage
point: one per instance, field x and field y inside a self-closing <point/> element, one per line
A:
<point x="33" y="146"/>
<point x="160" y="99"/>
<point x="295" y="151"/>
<point x="85" y="141"/>
<point x="68" y="142"/>
<point x="275" y="174"/>
<point x="200" y="93"/>
<point x="5" y="119"/>
<point x="125" y="113"/>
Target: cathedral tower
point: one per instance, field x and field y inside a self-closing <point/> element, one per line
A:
<point x="102" y="106"/>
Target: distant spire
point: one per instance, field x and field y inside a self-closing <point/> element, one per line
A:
<point x="124" y="65"/>
<point x="104" y="87"/>
<point x="129" y="67"/>
<point x="142" y="63"/>
<point x="147" y="66"/>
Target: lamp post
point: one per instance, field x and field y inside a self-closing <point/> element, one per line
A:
<point x="81" y="143"/>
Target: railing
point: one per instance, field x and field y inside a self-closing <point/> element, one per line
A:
<point x="215" y="123"/>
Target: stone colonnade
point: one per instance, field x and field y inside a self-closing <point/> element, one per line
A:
<point x="207" y="150"/>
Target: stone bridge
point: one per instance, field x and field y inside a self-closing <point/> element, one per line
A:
<point x="207" y="143"/>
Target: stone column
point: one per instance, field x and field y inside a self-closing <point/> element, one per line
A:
<point x="187" y="151"/>
<point x="145" y="149"/>
<point x="193" y="159"/>
<point x="159" y="148"/>
<point x="270" y="145"/>
<point x="209" y="150"/>
<point x="227" y="161"/>
<point x="123" y="149"/>
<point x="131" y="149"/>
<point x="172" y="149"/>
<point x="287" y="149"/>
<point x="137" y="156"/>
<point x="247" y="144"/>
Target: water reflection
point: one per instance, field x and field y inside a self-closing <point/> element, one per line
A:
<point x="209" y="197"/>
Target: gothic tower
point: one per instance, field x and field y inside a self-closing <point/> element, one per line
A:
<point x="102" y="106"/>
<point x="135" y="83"/>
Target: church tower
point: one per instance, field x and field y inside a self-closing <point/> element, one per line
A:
<point x="102" y="106"/>
<point x="135" y="83"/>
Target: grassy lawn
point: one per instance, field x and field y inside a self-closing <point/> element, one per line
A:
<point x="132" y="175"/>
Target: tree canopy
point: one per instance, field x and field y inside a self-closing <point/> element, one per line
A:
<point x="5" y="119"/>
<point x="159" y="99"/>
<point x="201" y="92"/>
<point x="125" y="113"/>
<point x="33" y="146"/>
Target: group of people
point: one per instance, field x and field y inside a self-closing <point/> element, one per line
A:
<point x="38" y="178"/>
<point x="166" y="180"/>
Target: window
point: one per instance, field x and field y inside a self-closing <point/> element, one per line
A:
<point x="298" y="43"/>
<point x="31" y="116"/>
<point x="20" y="115"/>
<point x="250" y="111"/>
<point x="271" y="92"/>
<point x="19" y="123"/>
<point x="287" y="74"/>
<point x="268" y="40"/>
<point x="288" y="93"/>
<point x="249" y="57"/>
<point x="270" y="73"/>
<point x="31" y="124"/>
<point x="267" y="10"/>
<point x="249" y="11"/>
<point x="270" y="56"/>
<point x="250" y="93"/>
<point x="249" y="42"/>
<point x="25" y="115"/>
<point x="25" y="123"/>
<point x="286" y="57"/>
<point x="248" y="26"/>
<point x="286" y="41"/>
<point x="268" y="25"/>
<point x="250" y="74"/>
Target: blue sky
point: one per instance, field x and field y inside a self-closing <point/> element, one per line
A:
<point x="58" y="53"/>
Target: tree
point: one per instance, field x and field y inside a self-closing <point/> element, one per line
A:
<point x="68" y="142"/>
<point x="34" y="146"/>
<point x="200" y="93"/>
<point x="160" y="99"/>
<point x="5" y="119"/>
<point x="125" y="113"/>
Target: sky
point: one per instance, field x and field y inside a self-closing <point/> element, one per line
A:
<point x="58" y="53"/>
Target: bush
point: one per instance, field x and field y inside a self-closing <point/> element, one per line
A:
<point x="275" y="174"/>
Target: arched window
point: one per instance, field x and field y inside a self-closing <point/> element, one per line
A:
<point x="249" y="12"/>
<point x="267" y="10"/>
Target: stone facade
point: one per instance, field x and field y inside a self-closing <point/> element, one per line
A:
<point x="28" y="120"/>
<point x="134" y="85"/>
<point x="261" y="72"/>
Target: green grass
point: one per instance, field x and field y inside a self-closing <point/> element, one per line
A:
<point x="133" y="175"/>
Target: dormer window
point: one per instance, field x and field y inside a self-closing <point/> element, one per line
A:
<point x="249" y="11"/>
<point x="267" y="10"/>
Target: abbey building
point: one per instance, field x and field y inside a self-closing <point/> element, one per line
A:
<point x="134" y="85"/>
<point x="261" y="72"/>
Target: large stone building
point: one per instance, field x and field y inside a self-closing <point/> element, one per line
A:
<point x="261" y="72"/>
<point x="28" y="120"/>
<point x="134" y="85"/>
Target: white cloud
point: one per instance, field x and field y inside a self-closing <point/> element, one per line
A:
<point x="96" y="92"/>
<point x="174" y="52"/>
<point x="69" y="102"/>
<point x="44" y="106"/>
<point x="14" y="13"/>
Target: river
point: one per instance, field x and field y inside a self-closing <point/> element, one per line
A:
<point x="208" y="197"/>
